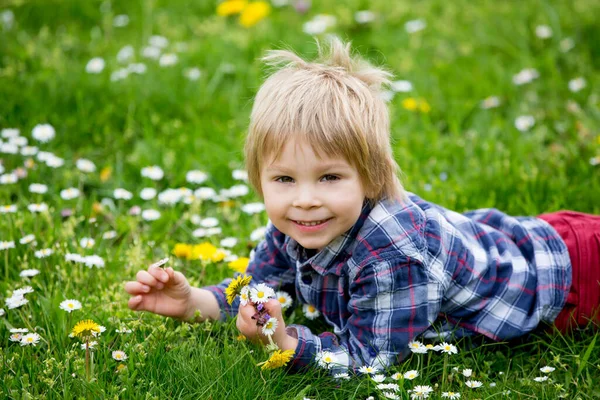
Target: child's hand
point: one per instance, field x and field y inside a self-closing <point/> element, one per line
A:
<point x="161" y="291"/>
<point x="247" y="326"/>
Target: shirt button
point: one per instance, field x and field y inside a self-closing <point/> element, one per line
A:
<point x="306" y="279"/>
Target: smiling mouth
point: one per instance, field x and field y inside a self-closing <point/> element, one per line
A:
<point x="311" y="223"/>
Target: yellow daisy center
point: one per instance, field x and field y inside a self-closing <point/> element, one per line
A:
<point x="260" y="295"/>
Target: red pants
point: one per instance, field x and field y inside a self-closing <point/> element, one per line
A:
<point x="581" y="233"/>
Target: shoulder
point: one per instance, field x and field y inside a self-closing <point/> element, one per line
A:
<point x="393" y="230"/>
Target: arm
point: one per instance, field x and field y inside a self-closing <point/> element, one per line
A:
<point x="388" y="308"/>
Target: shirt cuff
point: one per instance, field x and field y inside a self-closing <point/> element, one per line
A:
<point x="308" y="345"/>
<point x="226" y="309"/>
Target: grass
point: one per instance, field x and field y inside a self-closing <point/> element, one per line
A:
<point x="457" y="155"/>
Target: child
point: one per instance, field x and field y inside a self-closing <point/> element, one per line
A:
<point x="382" y="266"/>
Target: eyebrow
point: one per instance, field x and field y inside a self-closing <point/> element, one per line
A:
<point x="324" y="167"/>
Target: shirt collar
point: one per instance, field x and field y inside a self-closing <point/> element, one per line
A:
<point x="325" y="260"/>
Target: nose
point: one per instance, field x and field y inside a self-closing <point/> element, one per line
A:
<point x="307" y="197"/>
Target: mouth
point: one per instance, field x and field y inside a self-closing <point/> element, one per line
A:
<point x="311" y="223"/>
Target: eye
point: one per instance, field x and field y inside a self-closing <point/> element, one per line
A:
<point x="330" y="178"/>
<point x="284" y="179"/>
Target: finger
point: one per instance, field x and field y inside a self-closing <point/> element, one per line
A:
<point x="246" y="312"/>
<point x="171" y="273"/>
<point x="273" y="307"/>
<point x="159" y="274"/>
<point x="145" y="278"/>
<point x="135" y="288"/>
<point x="135" y="303"/>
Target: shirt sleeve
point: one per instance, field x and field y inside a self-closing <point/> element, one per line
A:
<point x="388" y="308"/>
<point x="269" y="265"/>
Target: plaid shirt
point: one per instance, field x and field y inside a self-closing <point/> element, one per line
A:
<point x="407" y="265"/>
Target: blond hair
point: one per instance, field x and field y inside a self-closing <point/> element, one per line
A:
<point x="334" y="105"/>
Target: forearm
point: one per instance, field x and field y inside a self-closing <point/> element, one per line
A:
<point x="204" y="301"/>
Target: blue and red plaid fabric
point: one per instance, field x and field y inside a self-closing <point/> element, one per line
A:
<point x="414" y="269"/>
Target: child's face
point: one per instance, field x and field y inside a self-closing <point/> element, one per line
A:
<point x="300" y="189"/>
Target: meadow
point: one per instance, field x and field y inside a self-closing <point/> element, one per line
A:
<point x="122" y="127"/>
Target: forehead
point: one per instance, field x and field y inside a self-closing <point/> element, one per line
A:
<point x="300" y="150"/>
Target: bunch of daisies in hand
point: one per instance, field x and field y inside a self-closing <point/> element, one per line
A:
<point x="257" y="296"/>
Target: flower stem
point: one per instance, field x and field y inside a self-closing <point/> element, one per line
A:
<point x="87" y="359"/>
<point x="445" y="372"/>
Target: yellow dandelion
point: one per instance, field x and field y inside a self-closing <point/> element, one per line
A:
<point x="218" y="255"/>
<point x="105" y="174"/>
<point x="424" y="106"/>
<point x="239" y="265"/>
<point x="254" y="13"/>
<point x="410" y="104"/>
<point x="203" y="251"/>
<point x="278" y="359"/>
<point x="85" y="328"/>
<point x="236" y="286"/>
<point x="230" y="7"/>
<point x="182" y="250"/>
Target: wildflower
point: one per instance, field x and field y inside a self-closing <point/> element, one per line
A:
<point x="388" y="386"/>
<point x="540" y="378"/>
<point x="258" y="234"/>
<point x="7" y="179"/>
<point x="239" y="265"/>
<point x="101" y="329"/>
<point x="566" y="44"/>
<point x="410" y="375"/>
<point x="8" y="209"/>
<point x="236" y="191"/>
<point x="85" y="165"/>
<point x="154" y="172"/>
<point x="105" y="174"/>
<point x="310" y="311"/>
<point x="231" y="7"/>
<point x="168" y="59"/>
<point x="401" y="86"/>
<point x="364" y="16"/>
<point x="19" y="330"/>
<point x="182" y="250"/>
<point x="15" y="337"/>
<point x="284" y="299"/>
<point x="421" y="392"/>
<point x="547" y="369"/>
<point x="474" y="384"/>
<point x="196" y="176"/>
<point x="30" y="339"/>
<point x="70" y="305"/>
<point x="89" y="345"/>
<point x="575" y="85"/>
<point x="235" y="287"/>
<point x="207" y="252"/>
<point x="278" y="359"/>
<point x="209" y="222"/>
<point x="38" y="188"/>
<point x="43" y="253"/>
<point x="43" y="132"/>
<point x="367" y="369"/>
<point x="326" y="359"/>
<point x="93" y="261"/>
<point x="451" y="395"/>
<point x="2" y="312"/>
<point x="447" y="348"/>
<point x="69" y="194"/>
<point x="390" y="395"/>
<point x="150" y="215"/>
<point x="261" y="293"/>
<point x="490" y="102"/>
<point x="205" y="193"/>
<point x="109" y="235"/>
<point x="417" y="347"/>
<point x="543" y="31"/>
<point x="412" y="104"/>
<point x="525" y="76"/>
<point x="378" y="378"/>
<point x="87" y="243"/>
<point x="342" y="375"/>
<point x="253" y="208"/>
<point x="524" y="122"/>
<point x="467" y="372"/>
<point x="120" y="193"/>
<point x="29" y="151"/>
<point x="15" y="302"/>
<point x="22" y="291"/>
<point x="119" y="355"/>
<point x="270" y="327"/>
<point x="228" y="242"/>
<point x="148" y="193"/>
<point x="8" y="133"/>
<point x="415" y="26"/>
<point x="34" y="207"/>
<point x="28" y="273"/>
<point x="123" y="330"/>
<point x="254" y="12"/>
<point x="95" y="65"/>
<point x="396" y="376"/>
<point x="192" y="74"/>
<point x="245" y="295"/>
<point x="7" y="245"/>
<point x="85" y="328"/>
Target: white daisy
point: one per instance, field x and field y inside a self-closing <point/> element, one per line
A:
<point x="35" y="207"/>
<point x="120" y="20"/>
<point x="524" y="122"/>
<point x="69" y="193"/>
<point x="196" y="176"/>
<point x="55" y="162"/>
<point x="153" y="172"/>
<point x="566" y="44"/>
<point x="367" y="369"/>
<point x="192" y="74"/>
<point x="525" y="76"/>
<point x="547" y="369"/>
<point x="417" y="347"/>
<point x="85" y="165"/>
<point x="543" y="31"/>
<point x="253" y="208"/>
<point x="30" y="339"/>
<point x="95" y="65"/>
<point x="540" y="378"/>
<point x="5" y="245"/>
<point x="261" y="293"/>
<point x="396" y="376"/>
<point x="310" y="311"/>
<point x="28" y="273"/>
<point x="451" y="395"/>
<point x="43" y="253"/>
<point x="467" y="372"/>
<point x="364" y="16"/>
<point x="378" y="378"/>
<point x="270" y="326"/>
<point x="150" y="215"/>
<point x="575" y="85"/>
<point x="43" y="132"/>
<point x="209" y="222"/>
<point x="8" y="179"/>
<point x="390" y="395"/>
<point x="22" y="291"/>
<point x="421" y="392"/>
<point x="258" y="234"/>
<point x="342" y="375"/>
<point x="410" y="375"/>
<point x="2" y="312"/>
<point x="70" y="305"/>
<point x="326" y="359"/>
<point x="401" y="86"/>
<point x="125" y="54"/>
<point x="93" y="261"/>
<point x="101" y="328"/>
<point x="284" y="299"/>
<point x="490" y="102"/>
<point x="228" y="242"/>
<point x="38" y="188"/>
<point x="474" y="384"/>
<point x="447" y="348"/>
<point x="121" y="193"/>
<point x="205" y="193"/>
<point x="8" y="133"/>
<point x="109" y="235"/>
<point x="388" y="386"/>
<point x="319" y="24"/>
<point x="148" y="193"/>
<point x="158" y="41"/>
<point x="90" y="345"/>
<point x="15" y="337"/>
<point x="151" y="52"/>
<point x="245" y="295"/>
<point x="415" y="26"/>
<point x="9" y="148"/>
<point x="8" y="209"/>
<point x="240" y="175"/>
<point x="87" y="243"/>
<point x="28" y="151"/>
<point x="74" y="257"/>
<point x="119" y="355"/>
